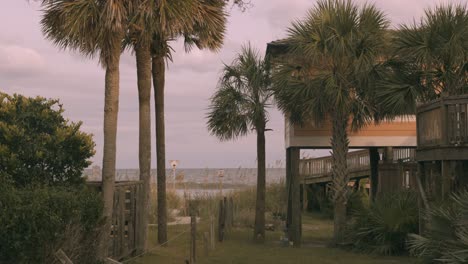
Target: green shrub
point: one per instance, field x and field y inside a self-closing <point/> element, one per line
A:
<point x="357" y="202"/>
<point x="383" y="227"/>
<point x="38" y="145"/>
<point x="445" y="238"/>
<point x="276" y="199"/>
<point x="37" y="221"/>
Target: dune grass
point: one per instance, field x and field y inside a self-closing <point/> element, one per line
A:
<point x="239" y="249"/>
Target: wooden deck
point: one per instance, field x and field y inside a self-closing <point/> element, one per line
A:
<point x="319" y="170"/>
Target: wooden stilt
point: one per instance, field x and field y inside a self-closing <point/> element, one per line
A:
<point x="374" y="175"/>
<point x="288" y="189"/>
<point x="296" y="221"/>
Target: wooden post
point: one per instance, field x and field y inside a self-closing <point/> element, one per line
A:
<point x="446" y="178"/>
<point x="111" y="261"/>
<point x="231" y="212"/>
<point x="374" y="158"/>
<point x="121" y="214"/>
<point x="62" y="257"/>
<point x="288" y="191"/>
<point x="388" y="154"/>
<point x="206" y="243"/>
<point x="296" y="221"/>
<point x="139" y="215"/>
<point x="212" y="233"/>
<point x="193" y="236"/>
<point x="423" y="203"/>
<point x="221" y="222"/>
<point x="227" y="214"/>
<point x="444" y="121"/>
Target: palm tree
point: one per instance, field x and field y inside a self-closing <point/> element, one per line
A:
<point x="430" y="60"/>
<point x="94" y="28"/>
<point x="239" y="106"/>
<point x="152" y="26"/>
<point x="203" y="25"/>
<point x="329" y="75"/>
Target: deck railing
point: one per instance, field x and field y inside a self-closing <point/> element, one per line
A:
<point x="404" y="154"/>
<point x="443" y="122"/>
<point x="356" y="160"/>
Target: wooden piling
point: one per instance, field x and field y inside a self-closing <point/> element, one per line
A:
<point x="221" y="221"/>
<point x="193" y="237"/>
<point x="212" y="233"/>
<point x="296" y="221"/>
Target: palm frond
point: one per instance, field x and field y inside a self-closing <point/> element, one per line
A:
<point x="88" y="26"/>
<point x="446" y="236"/>
<point x="241" y="101"/>
<point x="438" y="45"/>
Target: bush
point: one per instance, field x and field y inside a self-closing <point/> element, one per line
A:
<point x="37" y="221"/>
<point x="357" y="202"/>
<point x="383" y="227"/>
<point x="38" y="145"/>
<point x="445" y="239"/>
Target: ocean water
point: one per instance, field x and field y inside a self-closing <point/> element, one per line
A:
<point x="197" y="175"/>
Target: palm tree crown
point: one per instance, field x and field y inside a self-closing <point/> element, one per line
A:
<point x="333" y="54"/>
<point x="430" y="60"/>
<point x="88" y="26"/>
<point x="240" y="104"/>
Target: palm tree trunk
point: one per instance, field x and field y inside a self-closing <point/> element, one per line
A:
<point x="111" y="109"/>
<point x="159" y="72"/>
<point x="143" y="62"/>
<point x="339" y="145"/>
<point x="259" y="230"/>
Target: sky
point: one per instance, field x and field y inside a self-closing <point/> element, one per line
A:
<point x="33" y="66"/>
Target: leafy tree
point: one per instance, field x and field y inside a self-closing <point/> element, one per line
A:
<point x="429" y="60"/>
<point x="95" y="28"/>
<point x="38" y="145"/>
<point x="240" y="106"/>
<point x="329" y="74"/>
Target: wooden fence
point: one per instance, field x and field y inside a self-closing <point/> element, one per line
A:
<point x="125" y="218"/>
<point x="225" y="217"/>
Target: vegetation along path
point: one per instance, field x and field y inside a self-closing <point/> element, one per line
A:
<point x="238" y="248"/>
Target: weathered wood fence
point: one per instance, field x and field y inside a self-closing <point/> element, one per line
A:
<point x="225" y="217"/>
<point x="126" y="216"/>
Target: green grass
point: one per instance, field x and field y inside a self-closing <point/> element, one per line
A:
<point x="238" y="248"/>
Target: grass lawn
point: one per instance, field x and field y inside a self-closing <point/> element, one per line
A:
<point x="238" y="248"/>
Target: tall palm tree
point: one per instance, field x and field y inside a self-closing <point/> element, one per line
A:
<point x="330" y="75"/>
<point x="240" y="106"/>
<point x="430" y="59"/>
<point x="203" y="25"/>
<point x="94" y="28"/>
<point x="153" y="25"/>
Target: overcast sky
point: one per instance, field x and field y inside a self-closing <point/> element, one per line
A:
<point x="32" y="66"/>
